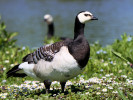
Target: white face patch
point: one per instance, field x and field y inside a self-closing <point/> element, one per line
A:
<point x="85" y="16"/>
<point x="48" y="18"/>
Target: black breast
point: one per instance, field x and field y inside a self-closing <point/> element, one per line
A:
<point x="80" y="50"/>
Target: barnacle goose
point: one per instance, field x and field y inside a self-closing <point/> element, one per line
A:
<point x="59" y="61"/>
<point x="49" y="20"/>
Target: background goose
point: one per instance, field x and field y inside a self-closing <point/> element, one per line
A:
<point x="50" y="33"/>
<point x="60" y="61"/>
<point x="49" y="20"/>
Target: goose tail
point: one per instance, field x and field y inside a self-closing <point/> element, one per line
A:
<point x="15" y="72"/>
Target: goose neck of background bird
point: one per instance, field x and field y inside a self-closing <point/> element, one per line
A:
<point x="50" y="29"/>
<point x="78" y="29"/>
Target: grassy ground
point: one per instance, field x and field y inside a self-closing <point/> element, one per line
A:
<point x="105" y="77"/>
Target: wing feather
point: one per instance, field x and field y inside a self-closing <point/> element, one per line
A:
<point x="46" y="52"/>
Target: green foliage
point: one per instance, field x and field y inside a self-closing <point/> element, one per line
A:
<point x="6" y="38"/>
<point x="10" y="54"/>
<point x="124" y="46"/>
<point x="103" y="61"/>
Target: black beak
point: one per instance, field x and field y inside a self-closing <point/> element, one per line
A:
<point x="94" y="18"/>
<point x="45" y="19"/>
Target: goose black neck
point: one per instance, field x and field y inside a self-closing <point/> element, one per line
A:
<point x="78" y="29"/>
<point x="50" y="30"/>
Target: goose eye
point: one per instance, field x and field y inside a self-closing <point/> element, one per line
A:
<point x="87" y="15"/>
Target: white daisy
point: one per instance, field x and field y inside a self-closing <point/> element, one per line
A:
<point x="104" y="90"/>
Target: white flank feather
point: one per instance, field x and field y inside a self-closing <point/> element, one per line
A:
<point x="28" y="69"/>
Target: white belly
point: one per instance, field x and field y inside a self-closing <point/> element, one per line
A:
<point x="62" y="68"/>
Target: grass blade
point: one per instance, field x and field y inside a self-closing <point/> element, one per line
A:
<point x="119" y="55"/>
<point x="121" y="94"/>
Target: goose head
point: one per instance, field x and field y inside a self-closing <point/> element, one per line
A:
<point x="85" y="16"/>
<point x="48" y="18"/>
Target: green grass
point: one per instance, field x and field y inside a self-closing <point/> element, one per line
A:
<point x="106" y="76"/>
